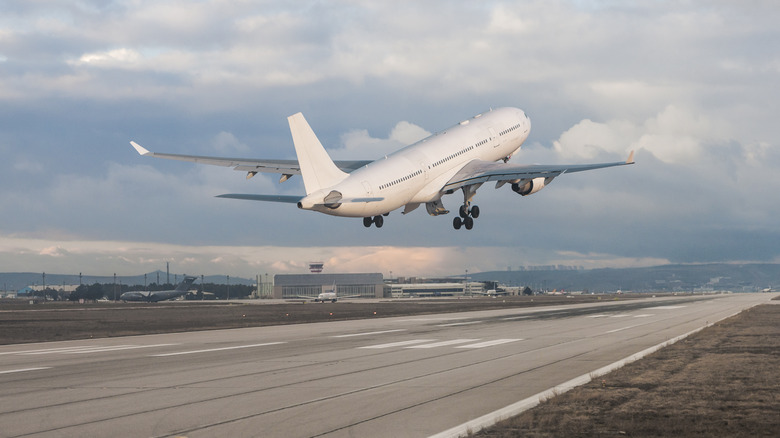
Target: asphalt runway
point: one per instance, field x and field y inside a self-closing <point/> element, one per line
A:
<point x="405" y="376"/>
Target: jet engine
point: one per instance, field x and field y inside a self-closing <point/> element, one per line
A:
<point x="531" y="186"/>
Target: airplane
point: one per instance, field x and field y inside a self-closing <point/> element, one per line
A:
<point x="491" y="293"/>
<point x="161" y="295"/>
<point x="462" y="157"/>
<point x="330" y="295"/>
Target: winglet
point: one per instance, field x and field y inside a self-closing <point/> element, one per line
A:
<point x="141" y="150"/>
<point x="630" y="159"/>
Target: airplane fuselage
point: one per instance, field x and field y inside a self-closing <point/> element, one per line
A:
<point x="152" y="297"/>
<point x="326" y="296"/>
<point x="416" y="174"/>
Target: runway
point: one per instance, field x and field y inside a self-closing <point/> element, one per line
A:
<point x="405" y="376"/>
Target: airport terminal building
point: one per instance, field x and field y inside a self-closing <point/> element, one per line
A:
<point x="292" y="286"/>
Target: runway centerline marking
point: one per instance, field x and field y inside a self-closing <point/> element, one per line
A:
<point x="621" y="329"/>
<point x="21" y="370"/>
<point x="237" y="347"/>
<point x="453" y="324"/>
<point x="431" y="319"/>
<point x="644" y="315"/>
<point x="83" y="349"/>
<point x="116" y="348"/>
<point x="399" y="344"/>
<point x="489" y="343"/>
<point x="665" y="307"/>
<point x="368" y="333"/>
<point x="444" y="343"/>
<point x="515" y="317"/>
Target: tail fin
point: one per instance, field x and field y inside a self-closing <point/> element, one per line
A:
<point x="185" y="284"/>
<point x="317" y="168"/>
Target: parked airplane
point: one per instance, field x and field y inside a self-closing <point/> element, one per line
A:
<point x="330" y="295"/>
<point x="161" y="295"/>
<point x="462" y="157"/>
<point x="491" y="293"/>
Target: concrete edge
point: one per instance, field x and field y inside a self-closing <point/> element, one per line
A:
<point x="517" y="408"/>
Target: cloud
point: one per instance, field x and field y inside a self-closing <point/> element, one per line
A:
<point x="111" y="58"/>
<point x="358" y="143"/>
<point x="226" y="142"/>
<point x="675" y="135"/>
<point x="54" y="251"/>
<point x="692" y="90"/>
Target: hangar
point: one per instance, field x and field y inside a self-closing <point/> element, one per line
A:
<point x="291" y="286"/>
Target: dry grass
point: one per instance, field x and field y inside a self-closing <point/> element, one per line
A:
<point x="721" y="382"/>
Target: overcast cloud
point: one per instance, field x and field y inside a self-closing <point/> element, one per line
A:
<point x="692" y="87"/>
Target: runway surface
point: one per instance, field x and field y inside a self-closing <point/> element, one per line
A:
<point x="406" y="376"/>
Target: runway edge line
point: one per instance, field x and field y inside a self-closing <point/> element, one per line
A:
<point x="517" y="408"/>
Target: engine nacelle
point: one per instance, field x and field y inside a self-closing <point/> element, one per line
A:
<point x="529" y="187"/>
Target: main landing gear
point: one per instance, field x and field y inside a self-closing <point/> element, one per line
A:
<point x="466" y="217"/>
<point x="376" y="220"/>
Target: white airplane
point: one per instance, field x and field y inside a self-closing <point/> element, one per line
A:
<point x="462" y="157"/>
<point x="331" y="295"/>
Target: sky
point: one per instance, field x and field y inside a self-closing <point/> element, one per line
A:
<point x="691" y="86"/>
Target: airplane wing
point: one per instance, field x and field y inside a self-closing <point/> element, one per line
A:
<point x="252" y="166"/>
<point x="478" y="172"/>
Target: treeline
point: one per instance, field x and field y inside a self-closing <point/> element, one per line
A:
<point x="111" y="291"/>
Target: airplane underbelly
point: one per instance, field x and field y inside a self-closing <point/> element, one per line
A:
<point x="391" y="201"/>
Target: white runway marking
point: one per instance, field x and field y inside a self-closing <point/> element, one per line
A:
<point x="399" y="344"/>
<point x="665" y="307"/>
<point x="83" y="349"/>
<point x="622" y="315"/>
<point x="644" y="315"/>
<point x="459" y="323"/>
<point x="116" y="348"/>
<point x="597" y="316"/>
<point x="444" y="343"/>
<point x="621" y="329"/>
<point x="515" y="317"/>
<point x="21" y="370"/>
<point x="368" y="333"/>
<point x="237" y="347"/>
<point x="489" y="343"/>
<point x="429" y="319"/>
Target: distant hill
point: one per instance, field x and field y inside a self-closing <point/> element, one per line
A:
<point x="733" y="277"/>
<point x="18" y="280"/>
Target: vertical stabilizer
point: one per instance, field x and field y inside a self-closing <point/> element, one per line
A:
<point x="317" y="168"/>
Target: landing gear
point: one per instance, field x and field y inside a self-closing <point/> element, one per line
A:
<point x="376" y="220"/>
<point x="465" y="217"/>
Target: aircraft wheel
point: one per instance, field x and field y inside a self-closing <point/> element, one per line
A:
<point x="379" y="221"/>
<point x="469" y="223"/>
<point x="463" y="211"/>
<point x="367" y="221"/>
<point x="474" y="212"/>
<point x="456" y="223"/>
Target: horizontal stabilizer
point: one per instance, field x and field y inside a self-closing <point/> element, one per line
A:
<point x="267" y="198"/>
